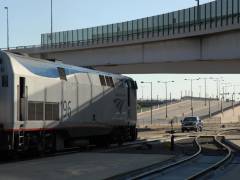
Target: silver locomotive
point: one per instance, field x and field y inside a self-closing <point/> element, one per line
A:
<point x="47" y="105"/>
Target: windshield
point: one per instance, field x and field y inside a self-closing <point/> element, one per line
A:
<point x="190" y="119"/>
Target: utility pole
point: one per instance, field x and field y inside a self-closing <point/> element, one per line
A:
<point x="170" y="98"/>
<point x="205" y="83"/>
<point x="166" y="89"/>
<point x="232" y="101"/>
<point x="209" y="107"/>
<point x="151" y="98"/>
<point x="191" y="80"/>
<point x="7" y="28"/>
<point x="51" y="22"/>
<point x="200" y="91"/>
<point x="222" y="104"/>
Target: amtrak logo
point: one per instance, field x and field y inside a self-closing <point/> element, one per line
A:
<point x="119" y="104"/>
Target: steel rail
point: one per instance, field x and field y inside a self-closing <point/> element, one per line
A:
<point x="160" y="169"/>
<point x="198" y="174"/>
<point x="223" y="131"/>
<point x="216" y="165"/>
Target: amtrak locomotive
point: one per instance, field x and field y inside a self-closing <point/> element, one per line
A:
<point x="47" y="105"/>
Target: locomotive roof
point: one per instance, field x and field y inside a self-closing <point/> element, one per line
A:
<point x="49" y="68"/>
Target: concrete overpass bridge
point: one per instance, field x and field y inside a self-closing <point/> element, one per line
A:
<point x="203" y="39"/>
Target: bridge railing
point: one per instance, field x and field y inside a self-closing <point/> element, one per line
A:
<point x="211" y="15"/>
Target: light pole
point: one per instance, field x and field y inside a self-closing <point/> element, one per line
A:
<point x="218" y="83"/>
<point x="151" y="96"/>
<point x="209" y="107"/>
<point x="166" y="89"/>
<point x="200" y="91"/>
<point x="51" y="22"/>
<point x="142" y="93"/>
<point x="192" y="91"/>
<point x="205" y="85"/>
<point x="224" y="90"/>
<point x="7" y="28"/>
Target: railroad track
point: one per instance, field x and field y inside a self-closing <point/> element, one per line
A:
<point x="191" y="167"/>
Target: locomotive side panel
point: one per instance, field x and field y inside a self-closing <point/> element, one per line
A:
<point x="120" y="103"/>
<point x="6" y="93"/>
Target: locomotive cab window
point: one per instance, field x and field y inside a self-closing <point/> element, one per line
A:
<point x="102" y="80"/>
<point x="110" y="82"/>
<point x="62" y="73"/>
<point x="134" y="84"/>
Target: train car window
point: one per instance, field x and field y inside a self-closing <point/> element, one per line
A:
<point x="62" y="73"/>
<point x="4" y="81"/>
<point x="102" y="80"/>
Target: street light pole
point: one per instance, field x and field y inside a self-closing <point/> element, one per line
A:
<point x="191" y="80"/>
<point x="151" y="97"/>
<point x="51" y="22"/>
<point x="142" y="93"/>
<point x="205" y="84"/>
<point x="209" y="107"/>
<point x="166" y="89"/>
<point x="7" y="28"/>
<point x="191" y="98"/>
<point x="200" y="91"/>
<point x="224" y="89"/>
<point x="166" y="100"/>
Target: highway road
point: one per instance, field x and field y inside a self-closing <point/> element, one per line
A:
<point x="181" y="109"/>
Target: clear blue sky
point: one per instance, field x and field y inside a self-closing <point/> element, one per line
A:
<point x="29" y="18"/>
